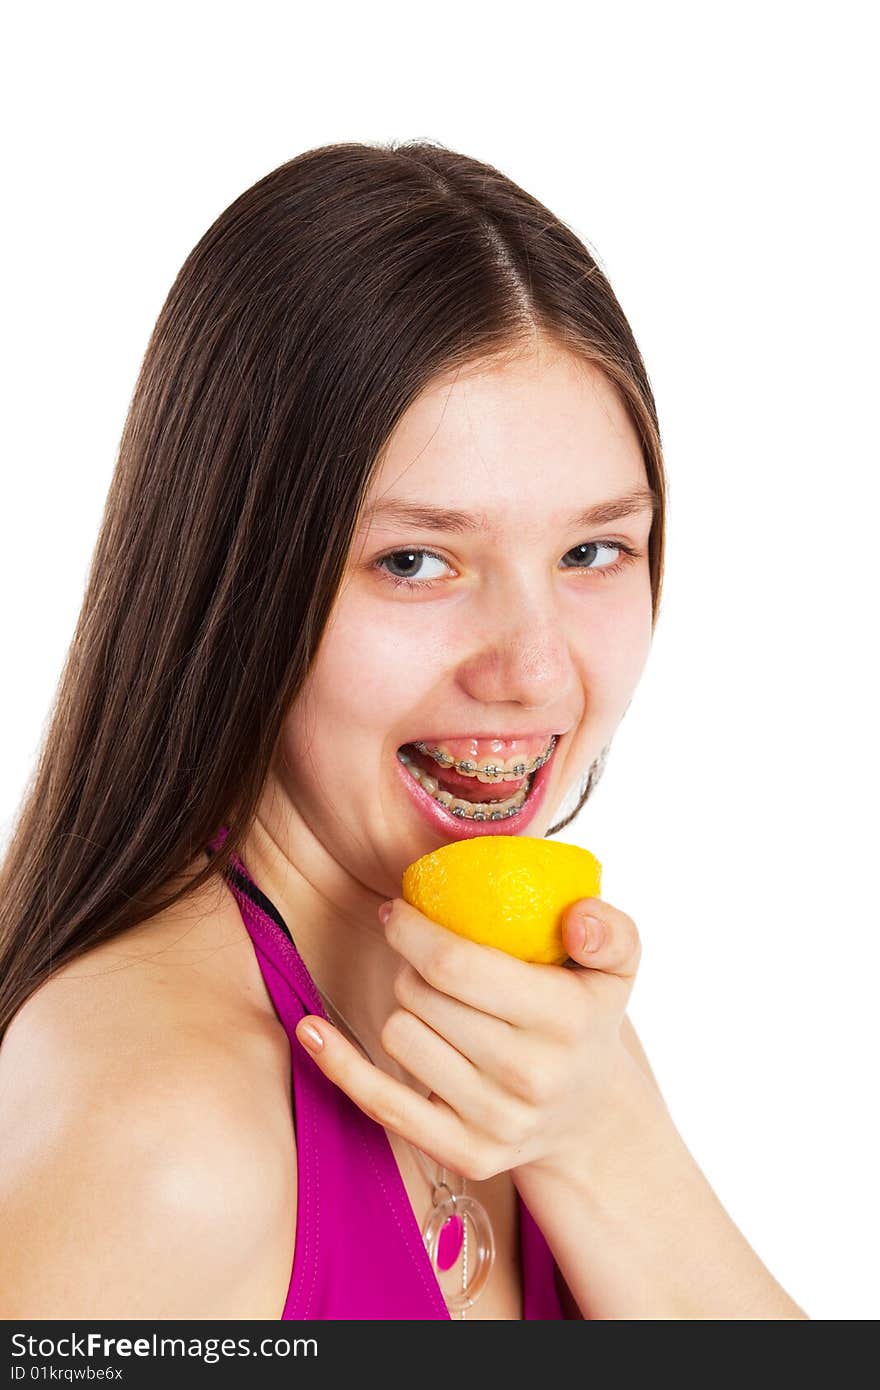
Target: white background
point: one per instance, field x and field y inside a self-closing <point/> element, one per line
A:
<point x="719" y="161"/>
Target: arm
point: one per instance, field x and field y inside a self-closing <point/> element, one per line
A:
<point x="630" y="1039"/>
<point x="638" y="1233"/>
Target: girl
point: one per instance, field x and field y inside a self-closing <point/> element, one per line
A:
<point x="388" y="512"/>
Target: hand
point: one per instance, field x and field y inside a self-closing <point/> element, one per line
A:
<point x="524" y="1060"/>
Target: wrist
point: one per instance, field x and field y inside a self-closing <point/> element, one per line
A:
<point x="627" y="1137"/>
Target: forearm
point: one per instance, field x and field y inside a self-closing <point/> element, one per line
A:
<point x="636" y="1230"/>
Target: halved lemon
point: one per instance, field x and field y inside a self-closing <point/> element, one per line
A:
<point x="508" y="891"/>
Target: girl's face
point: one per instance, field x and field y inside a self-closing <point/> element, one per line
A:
<point x="521" y="618"/>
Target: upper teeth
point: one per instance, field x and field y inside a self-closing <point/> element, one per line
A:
<point x="490" y="770"/>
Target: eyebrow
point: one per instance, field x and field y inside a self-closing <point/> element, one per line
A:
<point x="443" y="519"/>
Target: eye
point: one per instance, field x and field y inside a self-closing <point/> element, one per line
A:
<point x="412" y="559"/>
<point x="587" y="552"/>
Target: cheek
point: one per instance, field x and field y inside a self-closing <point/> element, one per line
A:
<point x="615" y="644"/>
<point x="368" y="675"/>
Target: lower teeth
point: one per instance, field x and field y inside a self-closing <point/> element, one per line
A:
<point x="469" y="810"/>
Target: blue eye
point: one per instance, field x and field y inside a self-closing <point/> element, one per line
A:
<point x="586" y="552"/>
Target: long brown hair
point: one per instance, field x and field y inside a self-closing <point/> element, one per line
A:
<point x="298" y="331"/>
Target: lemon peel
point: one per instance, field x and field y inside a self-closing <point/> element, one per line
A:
<point x="507" y="891"/>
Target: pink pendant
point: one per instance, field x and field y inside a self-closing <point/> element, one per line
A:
<point x="450" y="1242"/>
<point x="443" y="1234"/>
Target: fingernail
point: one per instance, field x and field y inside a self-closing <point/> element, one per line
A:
<point x="594" y="933"/>
<point x="310" y="1037"/>
<point x="385" y="911"/>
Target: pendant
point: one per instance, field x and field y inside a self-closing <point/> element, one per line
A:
<point x="443" y="1234"/>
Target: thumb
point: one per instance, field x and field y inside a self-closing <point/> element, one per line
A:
<point x="602" y="937"/>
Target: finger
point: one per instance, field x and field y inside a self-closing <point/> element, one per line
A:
<point x="431" y="1125"/>
<point x="513" y="1058"/>
<point x="478" y="1036"/>
<point x="602" y="938"/>
<point x="446" y="1072"/>
<point x="520" y="992"/>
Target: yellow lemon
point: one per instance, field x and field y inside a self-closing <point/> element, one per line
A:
<point x="508" y="891"/>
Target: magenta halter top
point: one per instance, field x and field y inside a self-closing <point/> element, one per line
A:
<point x="359" y="1252"/>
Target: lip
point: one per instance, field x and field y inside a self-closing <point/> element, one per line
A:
<point x="458" y="827"/>
<point x="502" y="738"/>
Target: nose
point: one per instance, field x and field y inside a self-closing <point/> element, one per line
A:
<point x="524" y="653"/>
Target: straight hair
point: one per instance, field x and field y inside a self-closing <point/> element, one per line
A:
<point x="298" y="331"/>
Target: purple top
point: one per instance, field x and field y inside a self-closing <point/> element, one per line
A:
<point x="359" y="1253"/>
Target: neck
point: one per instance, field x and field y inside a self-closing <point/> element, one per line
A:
<point x="337" y="932"/>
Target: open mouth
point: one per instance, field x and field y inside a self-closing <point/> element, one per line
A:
<point x="489" y="794"/>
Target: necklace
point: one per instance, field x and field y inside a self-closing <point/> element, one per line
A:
<point x="445" y="1229"/>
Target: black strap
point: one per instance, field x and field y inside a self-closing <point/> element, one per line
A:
<point x="255" y="894"/>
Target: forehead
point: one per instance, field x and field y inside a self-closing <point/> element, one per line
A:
<point x="516" y="443"/>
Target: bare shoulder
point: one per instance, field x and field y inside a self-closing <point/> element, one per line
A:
<point x="147" y="1150"/>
